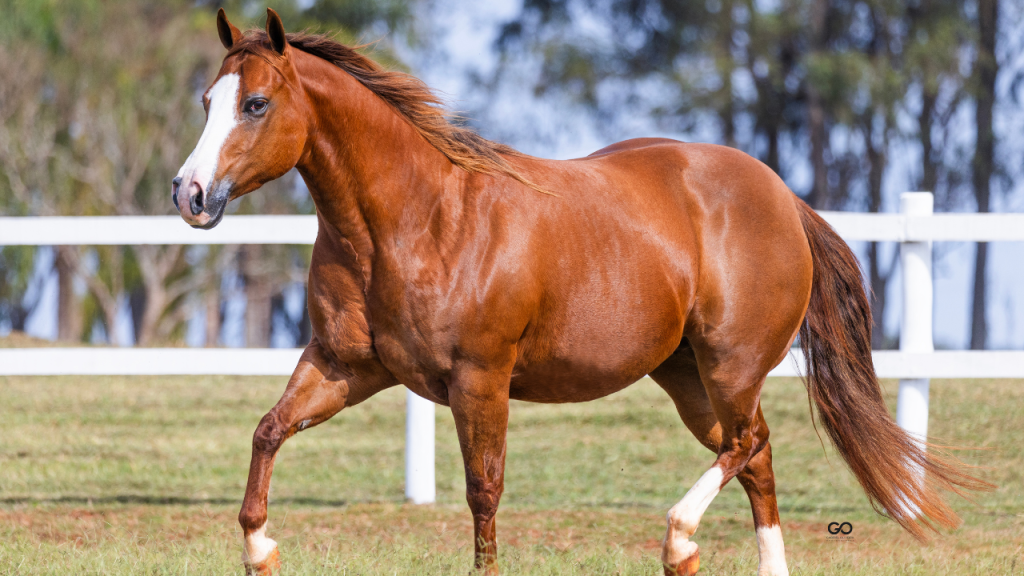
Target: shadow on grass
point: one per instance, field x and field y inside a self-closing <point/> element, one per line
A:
<point x="149" y="500"/>
<point x="174" y="501"/>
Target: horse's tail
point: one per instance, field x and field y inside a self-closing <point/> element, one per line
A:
<point x="836" y="340"/>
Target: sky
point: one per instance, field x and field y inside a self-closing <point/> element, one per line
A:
<point x="462" y="33"/>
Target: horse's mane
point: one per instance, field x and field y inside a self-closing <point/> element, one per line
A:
<point x="407" y="95"/>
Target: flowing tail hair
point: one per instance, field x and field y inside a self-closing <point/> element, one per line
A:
<point x="836" y="340"/>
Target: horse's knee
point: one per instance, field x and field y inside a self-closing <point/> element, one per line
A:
<point x="759" y="466"/>
<point x="269" y="434"/>
<point x="736" y="454"/>
<point x="483" y="498"/>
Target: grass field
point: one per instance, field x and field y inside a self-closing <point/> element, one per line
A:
<point x="145" y="476"/>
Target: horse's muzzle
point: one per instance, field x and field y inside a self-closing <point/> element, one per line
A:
<point x="199" y="208"/>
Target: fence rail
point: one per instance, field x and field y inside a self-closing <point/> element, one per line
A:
<point x="932" y="228"/>
<point x="292" y="229"/>
<point x="102" y="361"/>
<point x="125" y="230"/>
<point x="915" y="228"/>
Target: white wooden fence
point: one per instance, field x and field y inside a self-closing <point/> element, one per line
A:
<point x="915" y="227"/>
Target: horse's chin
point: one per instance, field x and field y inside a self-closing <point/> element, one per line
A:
<point x="212" y="222"/>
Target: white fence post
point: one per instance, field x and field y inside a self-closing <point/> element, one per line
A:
<point x="420" y="487"/>
<point x="916" y="325"/>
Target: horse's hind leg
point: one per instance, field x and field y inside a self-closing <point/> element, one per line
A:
<point x="758" y="481"/>
<point x="680" y="378"/>
<point x="316" y="392"/>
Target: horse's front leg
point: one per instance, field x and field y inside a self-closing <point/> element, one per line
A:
<point x="479" y="402"/>
<point x="317" y="390"/>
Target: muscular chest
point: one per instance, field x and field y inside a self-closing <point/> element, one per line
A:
<point x="402" y="320"/>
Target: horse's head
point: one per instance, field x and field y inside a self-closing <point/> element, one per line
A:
<point x="256" y="125"/>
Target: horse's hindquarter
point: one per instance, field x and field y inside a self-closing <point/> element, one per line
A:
<point x="755" y="261"/>
<point x="652" y="242"/>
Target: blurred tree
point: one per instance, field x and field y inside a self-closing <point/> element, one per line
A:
<point x="118" y="127"/>
<point x="16" y="274"/>
<point x="986" y="68"/>
<point x="33" y="113"/>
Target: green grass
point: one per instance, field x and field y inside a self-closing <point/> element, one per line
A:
<point x="145" y="475"/>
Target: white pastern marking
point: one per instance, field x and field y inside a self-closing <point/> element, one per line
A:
<point x="687" y="513"/>
<point x="771" y="552"/>
<point x="257" y="546"/>
<point x="684" y="517"/>
<point x="201" y="165"/>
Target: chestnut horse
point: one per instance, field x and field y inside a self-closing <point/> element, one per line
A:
<point x="473" y="274"/>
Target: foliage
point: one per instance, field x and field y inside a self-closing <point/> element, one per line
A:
<point x="747" y="64"/>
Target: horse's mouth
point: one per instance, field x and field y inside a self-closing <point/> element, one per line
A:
<point x="215" y="206"/>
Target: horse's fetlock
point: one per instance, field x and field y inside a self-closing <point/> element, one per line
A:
<point x="251" y="519"/>
<point x="682" y="522"/>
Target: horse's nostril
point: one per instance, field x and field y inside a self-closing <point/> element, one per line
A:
<point x="196" y="202"/>
<point x="175" y="184"/>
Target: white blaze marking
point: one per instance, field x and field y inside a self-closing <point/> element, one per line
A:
<point x="684" y="517"/>
<point x="257" y="546"/>
<point x="201" y="165"/>
<point x="771" y="551"/>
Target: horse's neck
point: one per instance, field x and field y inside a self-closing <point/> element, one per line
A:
<point x="367" y="169"/>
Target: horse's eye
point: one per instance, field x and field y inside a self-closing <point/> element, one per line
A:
<point x="256" y="107"/>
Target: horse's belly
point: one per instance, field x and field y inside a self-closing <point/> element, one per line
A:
<point x="590" y="361"/>
<point x="552" y="387"/>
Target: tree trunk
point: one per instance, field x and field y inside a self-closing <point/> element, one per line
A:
<point x="986" y="69"/>
<point x="257" y="298"/>
<point x="819" y="196"/>
<point x="305" y="327"/>
<point x="879" y="278"/>
<point x="772" y="159"/>
<point x="213" y="316"/>
<point x="112" y="258"/>
<point x="154" y="305"/>
<point x="929" y="169"/>
<point x="979" y="324"/>
<point x="70" y="322"/>
<point x="140" y="301"/>
<point x="727" y="112"/>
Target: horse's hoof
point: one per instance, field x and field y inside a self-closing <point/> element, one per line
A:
<point x="270" y="565"/>
<point x="688" y="567"/>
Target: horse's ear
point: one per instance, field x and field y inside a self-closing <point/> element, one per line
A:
<point x="229" y="35"/>
<point x="275" y="31"/>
